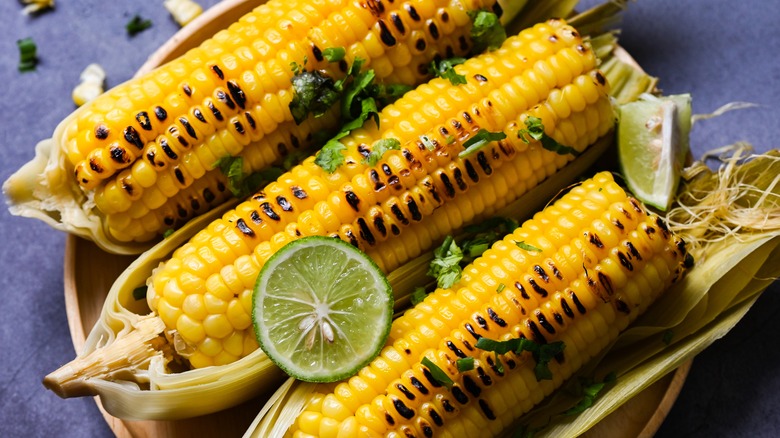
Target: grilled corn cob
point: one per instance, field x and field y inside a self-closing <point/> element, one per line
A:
<point x="203" y="294"/>
<point x="120" y="164"/>
<point x="598" y="259"/>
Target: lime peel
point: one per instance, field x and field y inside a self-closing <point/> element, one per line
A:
<point x="322" y="309"/>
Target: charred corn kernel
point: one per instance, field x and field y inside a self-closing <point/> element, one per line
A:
<point x="92" y="80"/>
<point x="395" y="219"/>
<point x="183" y="11"/>
<point x="231" y="95"/>
<point x="560" y="294"/>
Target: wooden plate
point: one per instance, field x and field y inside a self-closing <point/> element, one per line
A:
<point x="89" y="273"/>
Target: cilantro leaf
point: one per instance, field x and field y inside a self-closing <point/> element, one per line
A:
<point x="590" y="390"/>
<point x="445" y="266"/>
<point x="546" y="353"/>
<point x="465" y="364"/>
<point x="445" y="69"/>
<point x="418" y="295"/>
<point x="329" y="158"/>
<point x="28" y="57"/>
<point x="139" y="293"/>
<point x="522" y="245"/>
<point x="379" y="148"/>
<point x="486" y="31"/>
<point x="500" y="288"/>
<point x="438" y="374"/>
<point x="137" y="25"/>
<point x="334" y="54"/>
<point x="387" y="94"/>
<point x="542" y="354"/>
<point x="479" y="141"/>
<point x="168" y="233"/>
<point x="314" y="93"/>
<point x="349" y="102"/>
<point x="242" y="184"/>
<point x="535" y="130"/>
<point x="485" y="234"/>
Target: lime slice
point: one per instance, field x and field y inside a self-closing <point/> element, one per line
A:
<point x="652" y="146"/>
<point x="322" y="309"/>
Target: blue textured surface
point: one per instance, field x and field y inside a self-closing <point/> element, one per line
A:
<point x="718" y="50"/>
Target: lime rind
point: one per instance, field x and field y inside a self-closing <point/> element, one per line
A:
<point x="322" y="309"/>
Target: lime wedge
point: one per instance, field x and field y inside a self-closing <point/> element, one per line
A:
<point x="652" y="146"/>
<point x="322" y="309"/>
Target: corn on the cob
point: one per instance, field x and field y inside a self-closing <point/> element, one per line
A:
<point x="203" y="293"/>
<point x="138" y="146"/>
<point x="598" y="259"/>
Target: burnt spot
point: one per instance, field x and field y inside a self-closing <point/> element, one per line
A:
<point x="558" y="318"/>
<point x="467" y="118"/>
<point x="379" y="224"/>
<point x="365" y="232"/>
<point x="480" y="78"/>
<point x="662" y="225"/>
<point x="484" y="377"/>
<point x="198" y="114"/>
<point x="408" y="155"/>
<point x="470" y="171"/>
<point x="126" y="187"/>
<point x="187" y="89"/>
<point x="433" y="30"/>
<point x="214" y="110"/>
<point x="405" y="391"/>
<point x="298" y="192"/>
<point x="624" y="261"/>
<point x="343" y="66"/>
<point x="179" y="175"/>
<point x="218" y="71"/>
<point x="376" y="7"/>
<point x="688" y="261"/>
<point x="101" y="132"/>
<point x="414" y="210"/>
<point x="402" y="409"/>
<point x="420" y="44"/>
<point x="433" y="190"/>
<point x="118" y="154"/>
<point x="483" y="404"/>
<point x="467" y="345"/>
<point x="566" y="308"/>
<point x="538" y="289"/>
<point x="378" y="184"/>
<point x="541" y="273"/>
<point x="495" y="318"/>
<point x="269" y="211"/>
<point x="389" y="419"/>
<point x="255" y="216"/>
<point x="132" y="137"/>
<point x="457" y="125"/>
<point x="437" y="420"/>
<point x="511" y="364"/>
<point x="394" y="229"/>
<point x="544" y="322"/>
<point x="463" y="43"/>
<point x="427" y="430"/>
<point x="497" y="9"/>
<point x="387" y="170"/>
<point x="208" y="195"/>
<point x="431" y="380"/>
<point x="448" y="52"/>
<point x="169" y="221"/>
<point x="174" y="131"/>
<point x="294" y="141"/>
<point x="284" y="203"/>
<point x="553" y="38"/>
<point x="606" y="283"/>
<point x="445" y="403"/>
<point x="471" y="386"/>
<point x="418" y="385"/>
<point x="481" y="322"/>
<point x="633" y="251"/>
<point x="454" y="348"/>
<point x="458" y="175"/>
<point x="385" y="35"/>
<point x="188" y="127"/>
<point x="445" y="17"/>
<point x="244" y="228"/>
<point x="648" y="229"/>
<point x="351" y="237"/>
<point x="282" y="148"/>
<point x="182" y="211"/>
<point x="635" y="205"/>
<point x="224" y="98"/>
<point x="237" y="93"/>
<point x="238" y="126"/>
<point x="167" y="149"/>
<point x="194" y="204"/>
<point x="160" y="113"/>
<point x="316" y="52"/>
<point x="600" y="78"/>
<point x="537" y="335"/>
<point x="582" y="49"/>
<point x="618" y="224"/>
<point x="352" y="200"/>
<point x="492" y="365"/>
<point x="363" y="150"/>
<point x="398" y="22"/>
<point x="522" y="291"/>
<point x="143" y="120"/>
<point x="412" y="12"/>
<point x="594" y="240"/>
<point x="459" y="395"/>
<point x="469" y="328"/>
<point x="622" y="307"/>
<point x="394" y="181"/>
<point x="556" y="272"/>
<point x="221" y="186"/>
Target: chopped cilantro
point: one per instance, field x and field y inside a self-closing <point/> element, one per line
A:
<point x="314" y="93"/>
<point x="479" y="141"/>
<point x="418" y="295"/>
<point x="445" y="266"/>
<point x="542" y="354"/>
<point x="137" y="25"/>
<point x="350" y="104"/>
<point x="329" y="158"/>
<point x="445" y="69"/>
<point x="239" y="183"/>
<point x="139" y="293"/>
<point x="522" y="245"/>
<point x="387" y="94"/>
<point x="450" y="139"/>
<point x="334" y="54"/>
<point x="590" y="390"/>
<point x="379" y="148"/>
<point x="500" y="288"/>
<point x="438" y="374"/>
<point x="168" y="233"/>
<point x="486" y="31"/>
<point x="427" y="142"/>
<point x="28" y="57"/>
<point x="499" y="364"/>
<point x="465" y="364"/>
<point x="535" y="130"/>
<point x="485" y="234"/>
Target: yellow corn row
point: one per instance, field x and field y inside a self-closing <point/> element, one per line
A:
<point x="588" y="266"/>
<point x="134" y="151"/>
<point x="399" y="207"/>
